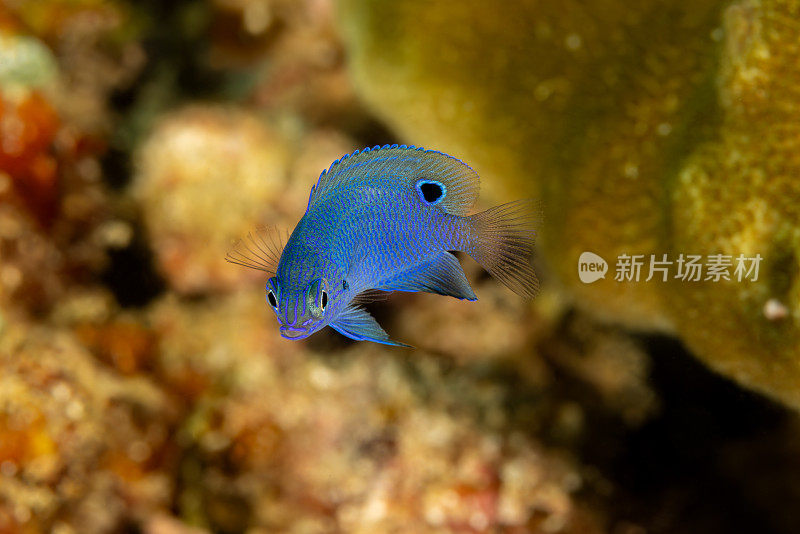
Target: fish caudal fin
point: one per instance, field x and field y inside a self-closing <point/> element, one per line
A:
<point x="502" y="242"/>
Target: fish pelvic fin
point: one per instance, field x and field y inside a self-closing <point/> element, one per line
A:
<point x="356" y="323"/>
<point x="441" y="274"/>
<point x="502" y="242"/>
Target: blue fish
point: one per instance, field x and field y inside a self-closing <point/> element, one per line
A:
<point x="386" y="219"/>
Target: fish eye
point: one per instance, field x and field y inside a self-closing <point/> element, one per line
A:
<point x="272" y="300"/>
<point x="317" y="297"/>
<point x="272" y="288"/>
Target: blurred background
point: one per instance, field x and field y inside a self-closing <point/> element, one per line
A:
<point x="144" y="387"/>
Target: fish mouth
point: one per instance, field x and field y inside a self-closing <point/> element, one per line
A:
<point x="293" y="332"/>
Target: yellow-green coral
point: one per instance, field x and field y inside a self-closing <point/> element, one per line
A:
<point x="647" y="128"/>
<point x="739" y="194"/>
<point x="583" y="104"/>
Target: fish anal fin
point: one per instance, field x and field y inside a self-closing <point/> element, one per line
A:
<point x="441" y="274"/>
<point x="356" y="323"/>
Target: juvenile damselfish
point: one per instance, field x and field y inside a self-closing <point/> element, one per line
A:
<point x="387" y="219"/>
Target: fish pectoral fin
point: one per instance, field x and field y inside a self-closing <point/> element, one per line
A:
<point x="356" y="323"/>
<point x="441" y="274"/>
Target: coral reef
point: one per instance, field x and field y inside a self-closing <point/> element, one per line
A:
<point x="738" y="194"/>
<point x="53" y="206"/>
<point x="356" y="440"/>
<point x="145" y="388"/>
<point x="654" y="128"/>
<point x="80" y="448"/>
<point x="198" y="162"/>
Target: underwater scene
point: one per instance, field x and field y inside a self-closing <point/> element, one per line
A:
<point x="381" y="266"/>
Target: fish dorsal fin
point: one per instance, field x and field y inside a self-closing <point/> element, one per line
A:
<point x="261" y="250"/>
<point x="457" y="182"/>
<point x="356" y="323"/>
<point x="441" y="274"/>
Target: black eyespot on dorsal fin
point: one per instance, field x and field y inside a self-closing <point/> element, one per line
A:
<point x="431" y="191"/>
